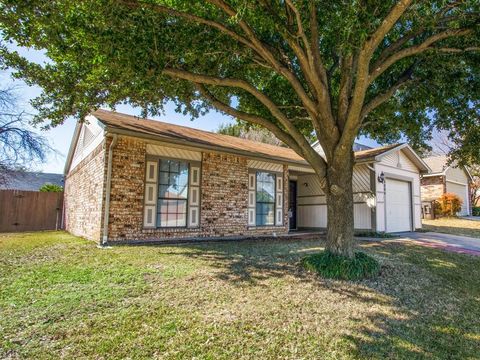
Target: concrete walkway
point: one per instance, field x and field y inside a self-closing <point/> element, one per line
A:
<point x="455" y="243"/>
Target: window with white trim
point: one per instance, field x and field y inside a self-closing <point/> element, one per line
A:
<point x="265" y="198"/>
<point x="172" y="193"/>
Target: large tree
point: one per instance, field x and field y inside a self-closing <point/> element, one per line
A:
<point x="336" y="69"/>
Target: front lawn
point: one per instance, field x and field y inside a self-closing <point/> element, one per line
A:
<point x="61" y="297"/>
<point x="455" y="226"/>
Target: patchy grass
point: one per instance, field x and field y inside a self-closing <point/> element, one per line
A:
<point x="331" y="266"/>
<point x="454" y="226"/>
<point x="61" y="297"/>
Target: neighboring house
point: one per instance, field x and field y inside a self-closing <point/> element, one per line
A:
<point x="130" y="179"/>
<point x="446" y="179"/>
<point x="29" y="181"/>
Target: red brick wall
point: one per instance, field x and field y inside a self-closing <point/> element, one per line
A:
<point x="432" y="187"/>
<point x="224" y="196"/>
<point x="84" y="191"/>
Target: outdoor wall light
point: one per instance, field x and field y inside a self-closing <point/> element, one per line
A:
<point x="305" y="184"/>
<point x="381" y="177"/>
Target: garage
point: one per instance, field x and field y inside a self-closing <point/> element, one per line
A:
<point x="398" y="205"/>
<point x="461" y="191"/>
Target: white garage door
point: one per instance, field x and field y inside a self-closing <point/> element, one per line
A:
<point x="461" y="191"/>
<point x="398" y="205"/>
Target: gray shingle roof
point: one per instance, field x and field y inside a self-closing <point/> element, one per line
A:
<point x="30" y="181"/>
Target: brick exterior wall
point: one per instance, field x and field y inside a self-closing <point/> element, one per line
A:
<point x="224" y="197"/>
<point x="432" y="187"/>
<point x="84" y="192"/>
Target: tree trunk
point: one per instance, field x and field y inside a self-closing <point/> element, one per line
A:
<point x="339" y="193"/>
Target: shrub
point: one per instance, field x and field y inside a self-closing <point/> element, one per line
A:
<point x="476" y="211"/>
<point x="374" y="234"/>
<point x="47" y="187"/>
<point x="448" y="205"/>
<point x="334" y="266"/>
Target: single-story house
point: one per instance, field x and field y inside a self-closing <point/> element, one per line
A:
<point x="443" y="179"/>
<point x="28" y="181"/>
<point x="131" y="179"/>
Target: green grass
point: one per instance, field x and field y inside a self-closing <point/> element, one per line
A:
<point x="331" y="266"/>
<point x="62" y="297"/>
<point x="454" y="226"/>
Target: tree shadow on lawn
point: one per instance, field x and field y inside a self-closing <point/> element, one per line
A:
<point x="431" y="296"/>
<point x="250" y="262"/>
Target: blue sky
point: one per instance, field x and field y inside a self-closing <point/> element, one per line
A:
<point x="61" y="136"/>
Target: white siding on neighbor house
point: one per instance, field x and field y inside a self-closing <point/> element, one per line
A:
<point x="407" y="172"/>
<point x="457" y="174"/>
<point x="91" y="135"/>
<point x="311" y="202"/>
<point x="462" y="192"/>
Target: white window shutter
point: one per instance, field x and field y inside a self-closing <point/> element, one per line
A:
<point x="194" y="197"/>
<point x="279" y="202"/>
<point x="152" y="171"/>
<point x="279" y="183"/>
<point x="149" y="219"/>
<point x="150" y="196"/>
<point x="252" y="199"/>
<point x="251" y="217"/>
<point x="251" y="181"/>
<point x="194" y="176"/>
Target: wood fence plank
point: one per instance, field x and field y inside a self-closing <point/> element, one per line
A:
<point x="30" y="210"/>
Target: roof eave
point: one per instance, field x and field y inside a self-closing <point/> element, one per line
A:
<point x="119" y="131"/>
<point x="72" y="148"/>
<point x="421" y="165"/>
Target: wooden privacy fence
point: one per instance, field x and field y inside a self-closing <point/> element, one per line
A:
<point x="30" y="210"/>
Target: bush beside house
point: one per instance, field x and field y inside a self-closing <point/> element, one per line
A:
<point x="448" y="204"/>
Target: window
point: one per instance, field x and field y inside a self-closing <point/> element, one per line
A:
<point x="265" y="199"/>
<point x="172" y="194"/>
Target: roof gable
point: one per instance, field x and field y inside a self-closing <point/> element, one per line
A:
<point x="439" y="166"/>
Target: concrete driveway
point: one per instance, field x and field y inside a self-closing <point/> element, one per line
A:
<point x="455" y="243"/>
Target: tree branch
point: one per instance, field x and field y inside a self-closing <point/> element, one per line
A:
<point x="306" y="152"/>
<point x="455" y="50"/>
<point x="262" y="50"/>
<point x="413" y="50"/>
<point x="255" y="119"/>
<point x="346" y="64"/>
<point x="188" y="16"/>
<point x="390" y="20"/>
<point x="242" y="84"/>
<point x="381" y="98"/>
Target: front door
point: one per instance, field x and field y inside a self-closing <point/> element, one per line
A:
<point x="292" y="204"/>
